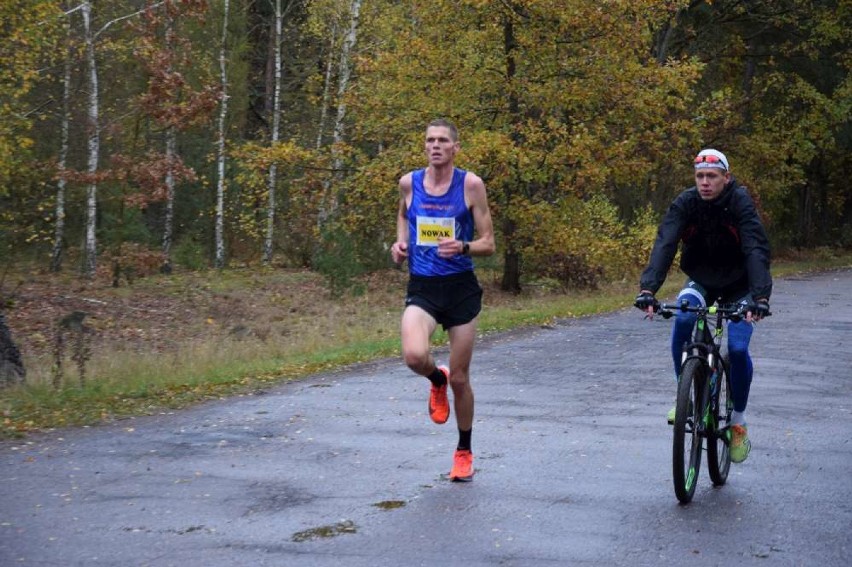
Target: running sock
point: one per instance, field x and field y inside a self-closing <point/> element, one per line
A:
<point x="437" y="378"/>
<point x="738" y="418"/>
<point x="464" y="440"/>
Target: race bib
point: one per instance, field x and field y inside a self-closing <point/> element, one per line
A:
<point x="430" y="229"/>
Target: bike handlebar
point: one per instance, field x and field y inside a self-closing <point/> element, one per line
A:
<point x="732" y="311"/>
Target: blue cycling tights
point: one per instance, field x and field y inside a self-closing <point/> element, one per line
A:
<point x="739" y="335"/>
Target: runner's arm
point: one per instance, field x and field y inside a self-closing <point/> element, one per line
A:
<point x="477" y="199"/>
<point x="399" y="249"/>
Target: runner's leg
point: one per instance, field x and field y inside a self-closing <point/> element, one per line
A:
<point x="462" y="338"/>
<point x="416" y="329"/>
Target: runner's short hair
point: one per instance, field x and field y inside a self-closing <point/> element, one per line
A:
<point x="443" y="122"/>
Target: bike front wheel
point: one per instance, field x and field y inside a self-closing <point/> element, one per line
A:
<point x="686" y="454"/>
<point x="718" y="453"/>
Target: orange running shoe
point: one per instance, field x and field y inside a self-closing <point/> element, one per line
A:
<point x="439" y="405"/>
<point x="462" y="466"/>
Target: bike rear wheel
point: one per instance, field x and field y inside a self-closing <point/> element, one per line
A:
<point x="718" y="454"/>
<point x="686" y="453"/>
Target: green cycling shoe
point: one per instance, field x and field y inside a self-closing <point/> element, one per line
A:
<point x="740" y="444"/>
<point x="670" y="417"/>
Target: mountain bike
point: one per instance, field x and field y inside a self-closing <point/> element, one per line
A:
<point x="704" y="403"/>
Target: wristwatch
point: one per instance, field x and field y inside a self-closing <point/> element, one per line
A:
<point x="466" y="249"/>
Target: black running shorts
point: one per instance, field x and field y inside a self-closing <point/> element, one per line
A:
<point x="452" y="300"/>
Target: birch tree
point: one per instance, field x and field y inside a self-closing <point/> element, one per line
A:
<point x="276" y="124"/>
<point x="91" y="175"/>
<point x="62" y="178"/>
<point x="327" y="18"/>
<point x="219" y="260"/>
<point x="344" y="69"/>
<point x="92" y="129"/>
<point x="93" y="140"/>
<point x="326" y="87"/>
<point x="92" y="144"/>
<point x="344" y="72"/>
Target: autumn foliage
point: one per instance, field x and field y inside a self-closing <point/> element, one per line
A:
<point x="580" y="116"/>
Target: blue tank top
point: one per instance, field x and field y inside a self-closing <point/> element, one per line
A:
<point x="431" y="217"/>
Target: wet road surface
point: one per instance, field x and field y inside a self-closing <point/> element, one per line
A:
<point x="573" y="460"/>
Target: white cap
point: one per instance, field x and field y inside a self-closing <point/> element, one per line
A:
<point x="705" y="159"/>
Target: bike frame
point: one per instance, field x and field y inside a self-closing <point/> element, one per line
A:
<point x="707" y="346"/>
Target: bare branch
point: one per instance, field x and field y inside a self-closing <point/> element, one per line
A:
<point x="127" y="17"/>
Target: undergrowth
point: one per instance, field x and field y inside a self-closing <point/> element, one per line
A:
<point x="296" y="328"/>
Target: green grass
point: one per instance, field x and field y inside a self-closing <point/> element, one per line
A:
<point x="335" y="334"/>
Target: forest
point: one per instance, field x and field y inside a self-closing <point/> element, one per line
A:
<point x="140" y="136"/>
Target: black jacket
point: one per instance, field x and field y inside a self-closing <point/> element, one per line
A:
<point x="725" y="247"/>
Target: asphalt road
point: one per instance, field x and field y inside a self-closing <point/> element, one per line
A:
<point x="573" y="460"/>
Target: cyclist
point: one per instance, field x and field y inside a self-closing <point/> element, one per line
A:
<point x="439" y="209"/>
<point x="725" y="255"/>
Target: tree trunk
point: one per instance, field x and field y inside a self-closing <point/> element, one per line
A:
<point x="511" y="259"/>
<point x="276" y="124"/>
<point x="168" y="225"/>
<point x="12" y="369"/>
<point x="171" y="151"/>
<point x="805" y="215"/>
<point x="270" y="216"/>
<point x="323" y="213"/>
<point x="59" y="234"/>
<point x="661" y="44"/>
<point x="748" y="79"/>
<point x="326" y="90"/>
<point x="93" y="146"/>
<point x="219" y="261"/>
<point x="344" y="72"/>
<point x="345" y="69"/>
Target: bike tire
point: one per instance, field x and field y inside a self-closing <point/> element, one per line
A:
<point x="718" y="453"/>
<point x="686" y="447"/>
